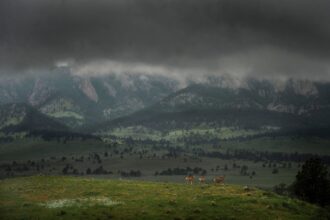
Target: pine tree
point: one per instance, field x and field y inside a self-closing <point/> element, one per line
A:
<point x="311" y="182"/>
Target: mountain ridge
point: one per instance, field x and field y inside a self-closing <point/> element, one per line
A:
<point x="258" y="105"/>
<point x="80" y="102"/>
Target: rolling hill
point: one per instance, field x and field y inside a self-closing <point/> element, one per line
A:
<point x="24" y="118"/>
<point x="50" y="197"/>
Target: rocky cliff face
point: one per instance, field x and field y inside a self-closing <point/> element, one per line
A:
<point x="40" y="93"/>
<point x="87" y="88"/>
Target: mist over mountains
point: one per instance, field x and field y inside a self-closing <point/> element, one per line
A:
<point x="287" y="39"/>
<point x="107" y="101"/>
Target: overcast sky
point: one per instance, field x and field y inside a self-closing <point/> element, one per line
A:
<point x="285" y="38"/>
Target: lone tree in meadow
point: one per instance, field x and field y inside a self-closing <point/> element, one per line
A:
<point x="312" y="183"/>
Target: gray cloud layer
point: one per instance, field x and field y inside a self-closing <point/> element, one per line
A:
<point x="275" y="37"/>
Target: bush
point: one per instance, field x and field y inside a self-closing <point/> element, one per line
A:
<point x="283" y="189"/>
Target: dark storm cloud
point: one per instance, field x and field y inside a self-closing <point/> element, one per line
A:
<point x="287" y="37"/>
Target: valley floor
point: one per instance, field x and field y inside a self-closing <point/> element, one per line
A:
<point x="261" y="162"/>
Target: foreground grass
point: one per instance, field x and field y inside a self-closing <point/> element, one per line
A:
<point x="50" y="197"/>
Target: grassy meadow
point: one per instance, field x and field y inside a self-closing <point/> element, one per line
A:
<point x="58" y="197"/>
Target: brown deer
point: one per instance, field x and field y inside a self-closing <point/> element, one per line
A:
<point x="219" y="179"/>
<point x="201" y="179"/>
<point x="190" y="179"/>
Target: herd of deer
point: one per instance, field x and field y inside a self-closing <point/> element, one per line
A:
<point x="217" y="180"/>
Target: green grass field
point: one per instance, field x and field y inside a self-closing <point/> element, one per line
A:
<point x="57" y="197"/>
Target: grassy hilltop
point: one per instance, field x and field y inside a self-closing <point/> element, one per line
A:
<point x="57" y="197"/>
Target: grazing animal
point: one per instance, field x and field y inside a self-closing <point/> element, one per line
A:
<point x="190" y="179"/>
<point x="201" y="179"/>
<point x="219" y="179"/>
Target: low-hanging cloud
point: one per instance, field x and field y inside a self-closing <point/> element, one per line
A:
<point x="287" y="38"/>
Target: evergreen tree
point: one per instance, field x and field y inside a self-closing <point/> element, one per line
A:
<point x="312" y="184"/>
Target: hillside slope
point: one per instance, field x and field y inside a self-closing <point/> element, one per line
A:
<point x="42" y="197"/>
<point x="20" y="117"/>
<point x="79" y="100"/>
<point x="27" y="133"/>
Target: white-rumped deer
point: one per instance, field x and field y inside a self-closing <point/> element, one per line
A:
<point x="219" y="179"/>
<point x="190" y="179"/>
<point x="201" y="179"/>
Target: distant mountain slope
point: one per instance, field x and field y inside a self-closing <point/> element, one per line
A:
<point x="293" y="106"/>
<point x="77" y="100"/>
<point x="23" y="123"/>
<point x="155" y="101"/>
<point x="23" y="118"/>
<point x="296" y="97"/>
